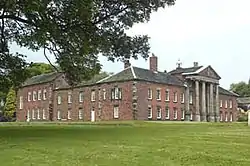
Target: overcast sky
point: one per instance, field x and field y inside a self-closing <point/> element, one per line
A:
<point x="211" y="32"/>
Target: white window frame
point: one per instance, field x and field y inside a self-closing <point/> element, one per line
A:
<point x="34" y="97"/>
<point x="167" y="112"/>
<point x="58" y="114"/>
<point x="150" y="93"/>
<point x="21" y="102"/>
<point x="221" y="117"/>
<point x="191" y="115"/>
<point x="225" y="103"/>
<point x="190" y="98"/>
<point x="39" y="95"/>
<point x="226" y="118"/>
<point x="150" y="115"/>
<point x="69" y="97"/>
<point x="175" y="112"/>
<point x="159" y="111"/>
<point x="116" y="112"/>
<point x="81" y="96"/>
<point x="44" y="114"/>
<point x="38" y="114"/>
<point x="93" y="95"/>
<point x="183" y="98"/>
<point x="104" y="94"/>
<point x="231" y="116"/>
<point x="99" y="94"/>
<point x="175" y="97"/>
<point x="230" y="104"/>
<point x="221" y="103"/>
<point x="158" y="94"/>
<point x="182" y="114"/>
<point x="29" y="96"/>
<point x="33" y="114"/>
<point x="59" y="100"/>
<point x="44" y="94"/>
<point x="80" y="114"/>
<point x="28" y="114"/>
<point x="69" y="114"/>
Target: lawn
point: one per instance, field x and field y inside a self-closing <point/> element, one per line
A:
<point x="128" y="143"/>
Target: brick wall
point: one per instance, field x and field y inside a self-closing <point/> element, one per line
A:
<point x="226" y="110"/>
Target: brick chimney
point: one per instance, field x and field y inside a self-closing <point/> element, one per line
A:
<point x="153" y="63"/>
<point x="126" y="63"/>
<point x="196" y="64"/>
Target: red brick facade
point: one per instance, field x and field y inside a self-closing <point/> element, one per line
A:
<point x="228" y="108"/>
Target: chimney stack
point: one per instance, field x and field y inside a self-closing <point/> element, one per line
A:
<point x="126" y="63"/>
<point x="196" y="64"/>
<point x="153" y="63"/>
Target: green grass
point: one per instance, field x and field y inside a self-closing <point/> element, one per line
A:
<point x="126" y="143"/>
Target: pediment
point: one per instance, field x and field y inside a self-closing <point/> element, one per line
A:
<point x="209" y="72"/>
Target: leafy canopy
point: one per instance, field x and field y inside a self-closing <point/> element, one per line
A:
<point x="77" y="31"/>
<point x="10" y="105"/>
<point x="241" y="88"/>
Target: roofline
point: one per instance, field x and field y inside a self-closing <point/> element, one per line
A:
<point x="196" y="72"/>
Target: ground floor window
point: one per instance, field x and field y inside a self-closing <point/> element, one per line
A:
<point x="33" y="114"/>
<point x="116" y="112"/>
<point x="231" y="116"/>
<point x="80" y="114"/>
<point x="38" y="114"/>
<point x="221" y="116"/>
<point x="58" y="114"/>
<point x="44" y="114"/>
<point x="191" y="115"/>
<point x="28" y="114"/>
<point x="69" y="114"/>
<point x="175" y="113"/>
<point x="158" y="112"/>
<point x="150" y="111"/>
<point x="226" y="116"/>
<point x="182" y="114"/>
<point x="167" y="113"/>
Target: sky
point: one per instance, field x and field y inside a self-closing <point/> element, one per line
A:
<point x="210" y="32"/>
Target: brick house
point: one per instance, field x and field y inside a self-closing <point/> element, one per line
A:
<point x="191" y="94"/>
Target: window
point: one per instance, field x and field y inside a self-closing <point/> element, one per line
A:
<point x="21" y="102"/>
<point x="191" y="115"/>
<point x="39" y="96"/>
<point x="226" y="116"/>
<point x="225" y="103"/>
<point x="104" y="94"/>
<point x="231" y="116"/>
<point x="182" y="114"/>
<point x="34" y="96"/>
<point x="38" y="114"/>
<point x="44" y="114"/>
<point x="99" y="94"/>
<point x="69" y="114"/>
<point x="158" y="112"/>
<point x="150" y="95"/>
<point x="28" y="114"/>
<point x="44" y="94"/>
<point x="59" y="99"/>
<point x="221" y="103"/>
<point x="93" y="95"/>
<point x="230" y="104"/>
<point x="80" y="114"/>
<point x="116" y="112"/>
<point x="158" y="94"/>
<point x="167" y="95"/>
<point x="191" y="98"/>
<point x="58" y="114"/>
<point x="182" y="98"/>
<point x="175" y="97"/>
<point x="116" y="93"/>
<point x="69" y="97"/>
<point x="29" y="96"/>
<point x="33" y="114"/>
<point x="149" y="111"/>
<point x="80" y="97"/>
<point x="221" y="116"/>
<point x="167" y="112"/>
<point x="175" y="113"/>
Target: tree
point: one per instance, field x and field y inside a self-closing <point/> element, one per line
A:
<point x="35" y="69"/>
<point x="10" y="105"/>
<point x="76" y="32"/>
<point x="241" y="88"/>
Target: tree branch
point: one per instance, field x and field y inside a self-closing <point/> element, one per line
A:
<point x="44" y="52"/>
<point x="18" y="19"/>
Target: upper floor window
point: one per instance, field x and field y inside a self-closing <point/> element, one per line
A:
<point x="221" y="103"/>
<point x="34" y="96"/>
<point x="59" y="99"/>
<point x="150" y="94"/>
<point x="167" y="94"/>
<point x="182" y="97"/>
<point x="104" y="94"/>
<point x="39" y="96"/>
<point x="158" y="94"/>
<point x="99" y="94"/>
<point x="175" y="97"/>
<point x="21" y="102"/>
<point x="93" y="95"/>
<point x="29" y="96"/>
<point x="191" y="98"/>
<point x="225" y="103"/>
<point x="116" y="93"/>
<point x="81" y="97"/>
<point x="230" y="104"/>
<point x="44" y="94"/>
<point x="69" y="97"/>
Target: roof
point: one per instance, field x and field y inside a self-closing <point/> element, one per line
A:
<point x="136" y="73"/>
<point x="185" y="70"/>
<point x="43" y="78"/>
<point x="243" y="100"/>
<point x="227" y="92"/>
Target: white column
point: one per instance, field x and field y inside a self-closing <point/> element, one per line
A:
<point x="217" y="108"/>
<point x="197" y="102"/>
<point x="203" y="100"/>
<point x="211" y="110"/>
<point x="187" y="110"/>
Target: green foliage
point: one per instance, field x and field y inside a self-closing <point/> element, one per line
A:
<point x="241" y="88"/>
<point x="243" y="118"/>
<point x="10" y="105"/>
<point x="76" y="32"/>
<point x="35" y="69"/>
